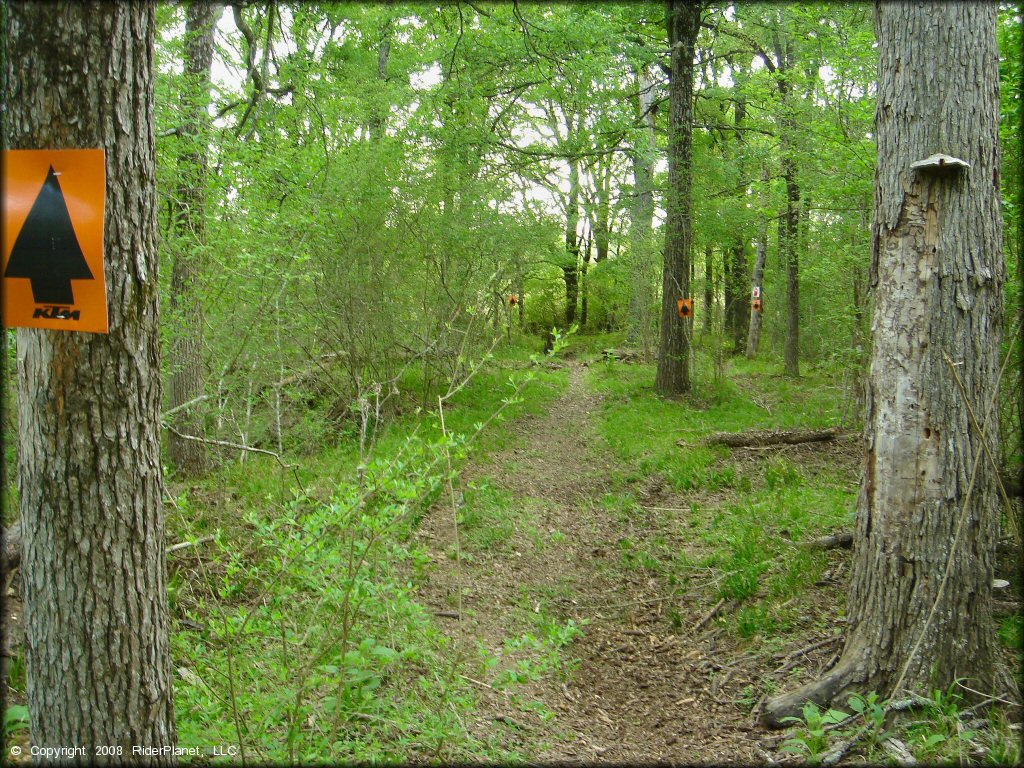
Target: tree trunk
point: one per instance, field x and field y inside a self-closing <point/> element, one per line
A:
<point x="570" y="272"/>
<point x="98" y="667"/>
<point x="673" y="375"/>
<point x="379" y="107"/>
<point x="583" y="280"/>
<point x="189" y="239"/>
<point x="709" y="288"/>
<point x="602" y="225"/>
<point x="754" y="331"/>
<point x="919" y="602"/>
<point x="738" y="310"/>
<point x="737" y="313"/>
<point x="788" y="243"/>
<point x="642" y="224"/>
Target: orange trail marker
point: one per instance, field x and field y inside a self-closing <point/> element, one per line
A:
<point x="53" y="240"/>
<point x="685" y="307"/>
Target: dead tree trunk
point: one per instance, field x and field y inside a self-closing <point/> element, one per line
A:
<point x="97" y="651"/>
<point x="920" y="595"/>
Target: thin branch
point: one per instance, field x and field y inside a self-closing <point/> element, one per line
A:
<point x="183" y="406"/>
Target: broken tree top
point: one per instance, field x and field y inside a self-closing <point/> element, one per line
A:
<point x="53" y="240"/>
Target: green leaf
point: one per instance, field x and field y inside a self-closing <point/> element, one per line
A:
<point x="834" y="716"/>
<point x="15" y="716"/>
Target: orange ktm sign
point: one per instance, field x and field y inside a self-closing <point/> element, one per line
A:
<point x="53" y="239"/>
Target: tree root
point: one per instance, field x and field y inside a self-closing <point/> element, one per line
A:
<point x="820" y="692"/>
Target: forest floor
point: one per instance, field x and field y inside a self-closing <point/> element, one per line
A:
<point x="600" y="586"/>
<point x="647" y="679"/>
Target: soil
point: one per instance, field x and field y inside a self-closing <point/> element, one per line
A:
<point x="650" y="685"/>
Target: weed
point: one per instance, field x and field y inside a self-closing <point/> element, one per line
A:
<point x="15" y="719"/>
<point x="1011" y="632"/>
<point x="814" y="740"/>
<point x="873" y="712"/>
<point x="486" y="519"/>
<point x="16" y="672"/>
<point x="755" y="620"/>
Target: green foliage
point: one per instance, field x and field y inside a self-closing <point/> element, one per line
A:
<point x="1011" y="632"/>
<point x="304" y="621"/>
<point x="534" y="657"/>
<point x="15" y="719"/>
<point x="813" y="740"/>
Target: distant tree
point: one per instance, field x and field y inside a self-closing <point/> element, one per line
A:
<point x="919" y="602"/>
<point x="98" y="667"/>
<point x="757" y="281"/>
<point x="673" y="375"/>
<point x="189" y="239"/>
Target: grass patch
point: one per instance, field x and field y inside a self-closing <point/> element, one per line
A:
<point x="742" y="539"/>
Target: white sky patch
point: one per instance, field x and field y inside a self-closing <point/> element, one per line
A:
<point x="426" y="78"/>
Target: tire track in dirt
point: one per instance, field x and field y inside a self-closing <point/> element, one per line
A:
<point x="642" y="691"/>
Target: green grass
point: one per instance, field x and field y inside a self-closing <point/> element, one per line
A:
<point x="743" y="537"/>
<point x="304" y="606"/>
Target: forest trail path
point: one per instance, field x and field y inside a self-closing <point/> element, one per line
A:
<point x="540" y="549"/>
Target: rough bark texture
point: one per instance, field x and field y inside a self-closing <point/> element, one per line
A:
<point x="937" y="269"/>
<point x="95" y="602"/>
<point x="673" y="375"/>
<point x="188" y="240"/>
<point x="641" y="293"/>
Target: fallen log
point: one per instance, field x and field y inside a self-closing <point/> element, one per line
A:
<point x="622" y="355"/>
<point x="763" y="437"/>
<point x="835" y="541"/>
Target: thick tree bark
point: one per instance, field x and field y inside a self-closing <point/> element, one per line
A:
<point x="189" y="240"/>
<point x="920" y="592"/>
<point x="98" y="664"/>
<point x="673" y="375"/>
<point x="641" y="293"/>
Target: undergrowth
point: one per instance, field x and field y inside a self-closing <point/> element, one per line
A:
<point x="297" y="633"/>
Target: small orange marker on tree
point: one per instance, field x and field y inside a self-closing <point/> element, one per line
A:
<point x="756" y="305"/>
<point x="685" y="307"/>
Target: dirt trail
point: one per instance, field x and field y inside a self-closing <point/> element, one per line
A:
<point x="642" y="691"/>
